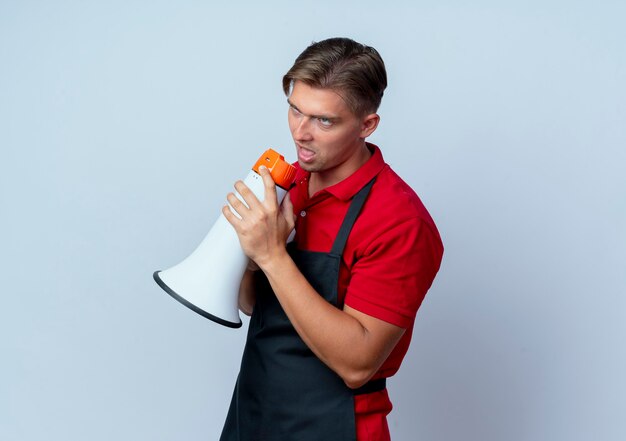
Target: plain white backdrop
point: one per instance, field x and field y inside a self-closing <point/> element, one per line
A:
<point x="124" y="124"/>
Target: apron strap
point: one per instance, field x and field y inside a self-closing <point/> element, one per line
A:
<point x="353" y="212"/>
<point x="338" y="246"/>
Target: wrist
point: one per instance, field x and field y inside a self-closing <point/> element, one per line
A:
<point x="274" y="263"/>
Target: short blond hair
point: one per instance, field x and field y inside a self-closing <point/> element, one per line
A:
<point x="355" y="71"/>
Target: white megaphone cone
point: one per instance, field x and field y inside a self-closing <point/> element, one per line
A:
<point x="208" y="280"/>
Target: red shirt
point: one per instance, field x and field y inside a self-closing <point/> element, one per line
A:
<point x="390" y="260"/>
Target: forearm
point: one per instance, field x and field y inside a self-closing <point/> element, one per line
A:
<point x="345" y="341"/>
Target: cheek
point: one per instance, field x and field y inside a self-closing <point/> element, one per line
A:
<point x="339" y="138"/>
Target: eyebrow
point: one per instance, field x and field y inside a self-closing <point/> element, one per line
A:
<point x="331" y="118"/>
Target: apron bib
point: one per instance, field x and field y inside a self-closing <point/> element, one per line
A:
<point x="284" y="392"/>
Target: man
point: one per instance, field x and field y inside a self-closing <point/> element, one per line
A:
<point x="333" y="311"/>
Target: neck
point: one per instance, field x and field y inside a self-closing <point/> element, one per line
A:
<point x="327" y="178"/>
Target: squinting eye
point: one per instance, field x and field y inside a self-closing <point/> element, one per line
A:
<point x="325" y="122"/>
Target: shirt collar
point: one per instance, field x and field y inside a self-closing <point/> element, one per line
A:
<point x="350" y="186"/>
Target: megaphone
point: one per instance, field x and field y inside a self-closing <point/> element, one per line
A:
<point x="207" y="281"/>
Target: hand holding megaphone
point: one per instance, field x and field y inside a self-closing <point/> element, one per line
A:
<point x="262" y="226"/>
<point x="208" y="280"/>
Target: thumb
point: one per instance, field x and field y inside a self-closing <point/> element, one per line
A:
<point x="287" y="208"/>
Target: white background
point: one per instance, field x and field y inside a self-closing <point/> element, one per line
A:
<point x="123" y="124"/>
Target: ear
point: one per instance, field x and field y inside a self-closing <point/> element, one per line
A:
<point x="369" y="124"/>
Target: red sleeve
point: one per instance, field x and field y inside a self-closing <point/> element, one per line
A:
<point x="391" y="279"/>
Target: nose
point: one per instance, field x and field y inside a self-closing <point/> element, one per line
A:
<point x="301" y="129"/>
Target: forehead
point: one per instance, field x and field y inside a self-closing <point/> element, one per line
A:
<point x="318" y="101"/>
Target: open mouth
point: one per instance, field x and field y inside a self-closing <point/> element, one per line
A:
<point x="304" y="154"/>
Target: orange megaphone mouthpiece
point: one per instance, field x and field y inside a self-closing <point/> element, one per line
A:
<point x="282" y="172"/>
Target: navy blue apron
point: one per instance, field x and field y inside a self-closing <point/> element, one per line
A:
<point x="284" y="392"/>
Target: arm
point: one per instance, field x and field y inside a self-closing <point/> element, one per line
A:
<point x="247" y="295"/>
<point x="351" y="343"/>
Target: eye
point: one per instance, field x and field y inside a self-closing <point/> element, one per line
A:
<point x="294" y="111"/>
<point x="326" y="122"/>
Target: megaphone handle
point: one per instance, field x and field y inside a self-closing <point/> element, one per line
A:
<point x="254" y="182"/>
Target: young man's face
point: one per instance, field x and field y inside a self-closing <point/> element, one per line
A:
<point x="329" y="138"/>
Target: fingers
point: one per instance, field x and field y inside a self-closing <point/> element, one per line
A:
<point x="237" y="205"/>
<point x="230" y="216"/>
<point x="249" y="198"/>
<point x="268" y="183"/>
<point x="287" y="211"/>
<point x="244" y="201"/>
<point x="287" y="205"/>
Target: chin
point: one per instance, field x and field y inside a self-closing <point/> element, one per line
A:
<point x="309" y="167"/>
